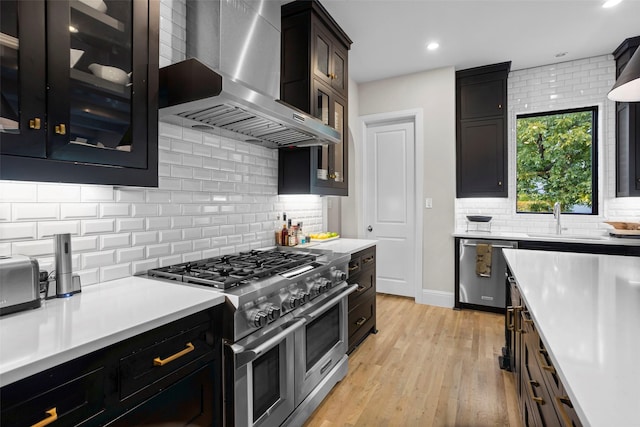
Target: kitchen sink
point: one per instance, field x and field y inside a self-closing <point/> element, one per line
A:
<point x="566" y="236"/>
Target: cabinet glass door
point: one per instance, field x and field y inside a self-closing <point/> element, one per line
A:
<point x="339" y="157"/>
<point x="97" y="89"/>
<point x="339" y="71"/>
<point x="22" y="78"/>
<point x="322" y="112"/>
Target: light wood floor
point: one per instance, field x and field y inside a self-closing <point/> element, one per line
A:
<point x="427" y="366"/>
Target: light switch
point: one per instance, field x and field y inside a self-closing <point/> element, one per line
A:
<point x="428" y="203"/>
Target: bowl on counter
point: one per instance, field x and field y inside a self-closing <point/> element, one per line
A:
<point x="621" y="225"/>
<point x="479" y="218"/>
<point x="112" y="74"/>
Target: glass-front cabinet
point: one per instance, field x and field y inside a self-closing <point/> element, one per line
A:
<point x="79" y="91"/>
<point x="314" y="79"/>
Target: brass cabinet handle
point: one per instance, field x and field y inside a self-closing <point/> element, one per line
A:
<point x="332" y="176"/>
<point x="560" y="404"/>
<point x="354" y="268"/>
<point x="161" y="362"/>
<point x="52" y="415"/>
<point x="34" y="123"/>
<point x="61" y="129"/>
<point x="367" y="260"/>
<point x="360" y="288"/>
<point x="538" y="400"/>
<point x="510" y="324"/>
<point x="361" y="321"/>
<point x="543" y="362"/>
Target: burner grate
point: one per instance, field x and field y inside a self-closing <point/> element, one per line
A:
<point x="227" y="271"/>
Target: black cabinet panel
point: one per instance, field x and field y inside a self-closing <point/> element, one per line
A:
<point x="362" y="302"/>
<point x="481" y="131"/>
<point x="627" y="130"/>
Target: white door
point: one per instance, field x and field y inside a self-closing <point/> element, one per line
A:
<point x="389" y="188"/>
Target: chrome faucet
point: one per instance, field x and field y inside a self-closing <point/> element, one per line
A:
<point x="556" y="215"/>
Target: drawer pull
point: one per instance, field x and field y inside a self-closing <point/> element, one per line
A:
<point x="161" y="362"/>
<point x="510" y="324"/>
<point x="52" y="416"/>
<point x="35" y="123"/>
<point x="354" y="268"/>
<point x="61" y="129"/>
<point x="543" y="362"/>
<point x="361" y="321"/>
<point x="360" y="288"/>
<point x="561" y="402"/>
<point x="367" y="260"/>
<point x="538" y="400"/>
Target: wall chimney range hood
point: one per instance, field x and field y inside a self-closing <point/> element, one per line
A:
<point x="192" y="94"/>
<point x="230" y="83"/>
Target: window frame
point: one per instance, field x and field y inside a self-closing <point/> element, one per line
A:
<point x="594" y="109"/>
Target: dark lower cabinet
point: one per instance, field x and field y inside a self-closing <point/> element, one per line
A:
<point x="362" y="302"/>
<point x="189" y="402"/>
<point x="170" y="375"/>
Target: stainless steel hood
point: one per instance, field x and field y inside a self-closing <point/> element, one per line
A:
<point x="230" y="83"/>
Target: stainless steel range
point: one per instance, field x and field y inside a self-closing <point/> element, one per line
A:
<point x="285" y="329"/>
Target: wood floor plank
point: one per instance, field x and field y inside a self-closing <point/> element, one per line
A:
<point x="427" y="366"/>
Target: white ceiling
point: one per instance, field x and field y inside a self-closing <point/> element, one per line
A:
<point x="390" y="36"/>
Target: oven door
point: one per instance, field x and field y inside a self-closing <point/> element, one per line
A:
<point x="259" y="378"/>
<point x="322" y="342"/>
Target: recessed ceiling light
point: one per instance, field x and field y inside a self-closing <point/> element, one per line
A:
<point x="561" y="54"/>
<point x="610" y="3"/>
<point x="72" y="29"/>
<point x="433" y="46"/>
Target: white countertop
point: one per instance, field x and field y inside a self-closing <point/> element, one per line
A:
<point x="543" y="237"/>
<point x="587" y="310"/>
<point x="345" y="246"/>
<point x="104" y="314"/>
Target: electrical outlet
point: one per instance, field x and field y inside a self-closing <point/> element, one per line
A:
<point x="428" y="203"/>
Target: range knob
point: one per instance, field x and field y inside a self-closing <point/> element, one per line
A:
<point x="319" y="288"/>
<point x="259" y="319"/>
<point x="304" y="297"/>
<point x="293" y="302"/>
<point x="273" y="312"/>
<point x="339" y="276"/>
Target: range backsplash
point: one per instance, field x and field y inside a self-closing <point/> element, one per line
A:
<point x="215" y="196"/>
<point x="570" y="84"/>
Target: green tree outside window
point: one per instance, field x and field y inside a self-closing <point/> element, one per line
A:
<point x="555" y="161"/>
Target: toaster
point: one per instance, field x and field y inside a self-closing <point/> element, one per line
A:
<point x="19" y="284"/>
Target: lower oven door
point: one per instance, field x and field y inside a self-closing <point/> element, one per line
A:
<point x="322" y="342"/>
<point x="259" y="378"/>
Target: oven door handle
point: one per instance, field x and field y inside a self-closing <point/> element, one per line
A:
<point x="244" y="355"/>
<point x="330" y="303"/>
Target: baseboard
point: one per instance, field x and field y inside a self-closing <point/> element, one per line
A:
<point x="437" y="298"/>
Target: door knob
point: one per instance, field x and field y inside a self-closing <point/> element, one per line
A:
<point x="369" y="228"/>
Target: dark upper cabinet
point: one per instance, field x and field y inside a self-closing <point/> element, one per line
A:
<point x="627" y="130"/>
<point x="79" y="91"/>
<point x="314" y="78"/>
<point x="481" y="131"/>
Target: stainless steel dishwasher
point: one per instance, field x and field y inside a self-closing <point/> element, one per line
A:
<point x="480" y="290"/>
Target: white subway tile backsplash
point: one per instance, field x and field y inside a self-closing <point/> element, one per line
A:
<point x="97" y="259"/>
<point x="205" y="182"/>
<point x="114" y="272"/>
<point x="97" y="226"/>
<point x="111" y="241"/>
<point x="78" y="210"/>
<point x="49" y="228"/>
<point x="35" y="211"/>
<point x="18" y="192"/>
<point x="129" y="224"/>
<point x="144" y="238"/>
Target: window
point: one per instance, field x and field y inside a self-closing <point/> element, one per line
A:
<point x="556" y="161"/>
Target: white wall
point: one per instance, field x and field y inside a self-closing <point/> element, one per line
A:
<point x="215" y="196"/>
<point x="433" y="92"/>
<point x="570" y="84"/>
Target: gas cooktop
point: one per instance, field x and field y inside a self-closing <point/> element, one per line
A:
<point x="228" y="271"/>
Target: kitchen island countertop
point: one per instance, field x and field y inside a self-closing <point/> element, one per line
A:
<point x="102" y="314"/>
<point x="346" y="246"/>
<point x="587" y="310"/>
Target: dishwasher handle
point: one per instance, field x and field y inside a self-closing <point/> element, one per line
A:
<point x="492" y="245"/>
